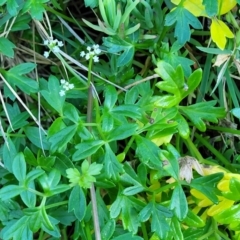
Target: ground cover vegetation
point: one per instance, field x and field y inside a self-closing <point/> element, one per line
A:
<point x="119" y="119"/>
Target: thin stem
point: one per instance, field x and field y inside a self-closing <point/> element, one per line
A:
<point x="219" y="156"/>
<point x="92" y="189"/>
<point x="194" y="150"/>
<point x="144" y="231"/>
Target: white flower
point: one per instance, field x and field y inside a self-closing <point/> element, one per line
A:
<point x="95" y="46"/>
<point x="62" y="81"/>
<point x="97" y="51"/>
<point x="60" y="43"/>
<point x="82" y="54"/>
<point x="90" y="53"/>
<point x="55" y="49"/>
<point x="46" y="54"/>
<point x="62" y="93"/>
<point x="87" y="56"/>
<point x="71" y="86"/>
<point x="46" y="42"/>
<point x="96" y="59"/>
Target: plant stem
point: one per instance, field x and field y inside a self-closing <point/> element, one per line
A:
<point x="219" y="156"/>
<point x="92" y="189"/>
<point x="144" y="231"/>
<point x="193" y="149"/>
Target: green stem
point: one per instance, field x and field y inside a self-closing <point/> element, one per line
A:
<point x="88" y="231"/>
<point x="194" y="150"/>
<point x="129" y="144"/>
<point x="56" y="204"/>
<point x="224" y="129"/>
<point x="144" y="231"/>
<point x="166" y="187"/>
<point x="41" y="235"/>
<point x="218" y="155"/>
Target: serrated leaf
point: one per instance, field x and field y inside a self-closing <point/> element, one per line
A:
<point x="60" y="140"/>
<point x="179" y="203"/>
<point x="86" y="149"/>
<point x="6" y="47"/>
<point x="211" y="7"/>
<point x="117" y="45"/>
<point x="183" y="19"/>
<point x="122" y="132"/>
<point x="148" y="152"/>
<point x="77" y="203"/>
<point x="208" y="186"/>
<point x="111" y="164"/>
<point x="204" y="111"/>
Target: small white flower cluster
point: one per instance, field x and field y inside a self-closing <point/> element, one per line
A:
<point x="66" y="86"/>
<point x="54" y="46"/>
<point x="94" y="51"/>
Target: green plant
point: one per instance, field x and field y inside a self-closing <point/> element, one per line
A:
<point x="101" y="133"/>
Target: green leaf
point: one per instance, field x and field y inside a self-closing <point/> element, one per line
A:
<point x="127" y="236"/>
<point x="234" y="187"/>
<point x="35" y="8"/>
<point x="172" y="57"/>
<point x="128" y="211"/>
<point x="176" y="228"/>
<point x="111" y="97"/>
<point x="129" y="191"/>
<point x="9" y="153"/>
<point x="19" y="167"/>
<point x="60" y="140"/>
<point x="122" y="132"/>
<point x="33" y="134"/>
<point x="111" y="164"/>
<point x="183" y="19"/>
<point x="211" y="7"/>
<point x="77" y="203"/>
<point x="108" y="230"/>
<point x="128" y="110"/>
<point x="148" y="152"/>
<point x="183" y="127"/>
<point x="86" y="149"/>
<point x="18" y="229"/>
<point x="15" y="78"/>
<point x="116" y="45"/>
<point x="52" y="96"/>
<point x="91" y="3"/>
<point x="229" y="215"/>
<point x="172" y="166"/>
<point x="10" y="191"/>
<point x="70" y="112"/>
<point x="203" y="111"/>
<point x="23" y="68"/>
<point x="12" y="7"/>
<point x="214" y="50"/>
<point x="179" y="203"/>
<point x="62" y="163"/>
<point x="29" y="198"/>
<point x="193" y="220"/>
<point x="208" y="186"/>
<point x="236" y="112"/>
<point x="159" y="214"/>
<point x="174" y="83"/>
<point x="6" y="47"/>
